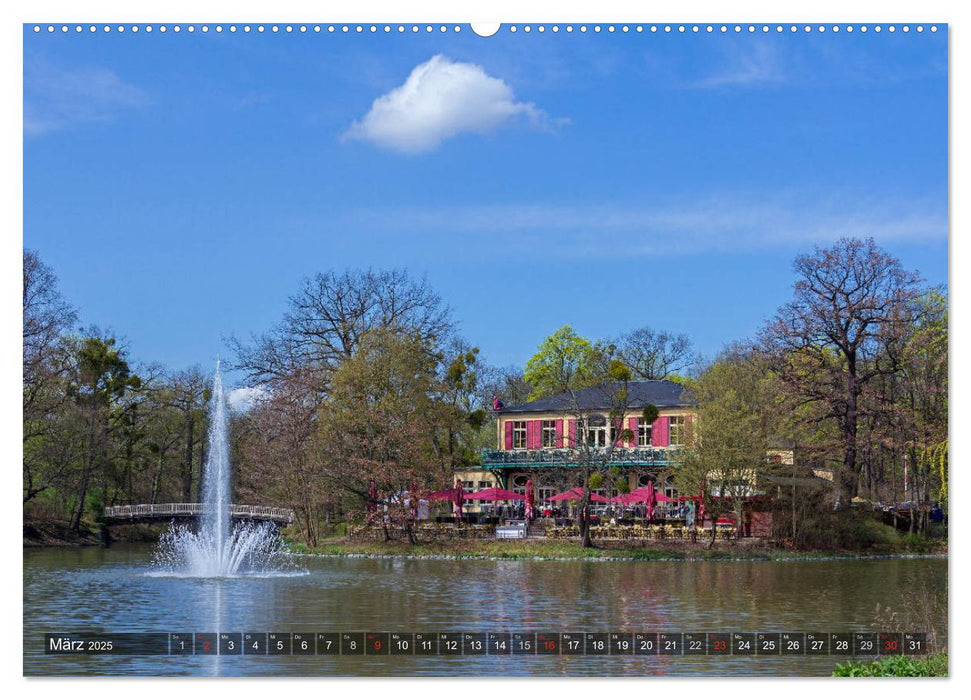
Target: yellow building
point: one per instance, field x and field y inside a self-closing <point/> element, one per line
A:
<point x="545" y="440"/>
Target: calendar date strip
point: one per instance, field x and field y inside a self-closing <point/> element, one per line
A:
<point x="488" y="643"/>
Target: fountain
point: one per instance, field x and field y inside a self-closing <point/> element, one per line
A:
<point x="217" y="549"/>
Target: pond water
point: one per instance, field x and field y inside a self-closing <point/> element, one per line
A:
<point x="73" y="591"/>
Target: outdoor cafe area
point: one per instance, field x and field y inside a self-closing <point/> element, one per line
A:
<point x="641" y="514"/>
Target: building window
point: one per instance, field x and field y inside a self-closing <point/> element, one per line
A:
<point x="643" y="433"/>
<point x="597" y="437"/>
<point x="549" y="433"/>
<point x="519" y="435"/>
<point x="676" y="434"/>
<point x="669" y="489"/>
<point x="592" y="431"/>
<point x="547" y="492"/>
<point x="519" y="483"/>
<point x="485" y="485"/>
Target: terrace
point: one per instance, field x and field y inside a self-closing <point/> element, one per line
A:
<point x="556" y="458"/>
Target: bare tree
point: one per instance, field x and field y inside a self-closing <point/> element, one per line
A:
<point x="845" y="326"/>
<point x="506" y="383"/>
<point x="280" y="455"/>
<point x="332" y="311"/>
<point x="593" y="456"/>
<point x="654" y="354"/>
<point x="189" y="395"/>
<point x="47" y="317"/>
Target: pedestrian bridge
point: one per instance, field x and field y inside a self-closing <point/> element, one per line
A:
<point x="169" y="511"/>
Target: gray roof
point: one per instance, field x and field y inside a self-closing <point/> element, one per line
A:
<point x="662" y="393"/>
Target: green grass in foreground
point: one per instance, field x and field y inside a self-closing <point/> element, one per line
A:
<point x="933" y="665"/>
<point x="507" y="549"/>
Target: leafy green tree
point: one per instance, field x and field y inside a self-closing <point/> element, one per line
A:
<point x="565" y="361"/>
<point x="381" y="420"/>
<point x="101" y="377"/>
<point x="925" y="375"/>
<point x="464" y="412"/>
<point x="729" y="438"/>
<point x="568" y="364"/>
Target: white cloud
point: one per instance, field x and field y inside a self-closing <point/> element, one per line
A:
<point x="439" y="100"/>
<point x="726" y="221"/>
<point x="56" y="97"/>
<point x="245" y="397"/>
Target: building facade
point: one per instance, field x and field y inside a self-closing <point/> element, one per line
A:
<point x="545" y="440"/>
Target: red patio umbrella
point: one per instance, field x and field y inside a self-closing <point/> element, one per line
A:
<point x="576" y="494"/>
<point x="650" y="498"/>
<point x="459" y="499"/>
<point x="443" y="495"/>
<point x="639" y="495"/>
<point x="494" y="494"/>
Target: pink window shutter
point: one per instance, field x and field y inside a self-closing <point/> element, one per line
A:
<point x="632" y="426"/>
<point x="659" y="432"/>
<point x="531" y="437"/>
<point x="573" y="433"/>
<point x="508" y="434"/>
<point x="559" y="432"/>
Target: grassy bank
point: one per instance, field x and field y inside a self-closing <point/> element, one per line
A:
<point x="933" y="665"/>
<point x="555" y="549"/>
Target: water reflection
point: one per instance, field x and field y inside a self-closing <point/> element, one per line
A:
<point x="74" y="590"/>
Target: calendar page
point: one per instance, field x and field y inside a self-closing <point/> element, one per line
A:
<point x="613" y="349"/>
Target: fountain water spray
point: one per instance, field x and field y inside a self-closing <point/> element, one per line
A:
<point x="217" y="549"/>
<point x="215" y="472"/>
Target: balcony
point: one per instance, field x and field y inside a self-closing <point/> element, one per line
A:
<point x="618" y="456"/>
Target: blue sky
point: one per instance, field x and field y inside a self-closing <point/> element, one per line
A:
<point x="182" y="185"/>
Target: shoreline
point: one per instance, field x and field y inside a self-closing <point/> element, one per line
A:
<point x="524" y="550"/>
<point x="544" y="551"/>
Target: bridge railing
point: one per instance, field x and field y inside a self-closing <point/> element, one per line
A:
<point x="161" y="510"/>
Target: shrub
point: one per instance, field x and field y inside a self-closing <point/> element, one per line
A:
<point x="934" y="665"/>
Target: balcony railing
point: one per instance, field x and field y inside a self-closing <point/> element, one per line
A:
<point x="619" y="456"/>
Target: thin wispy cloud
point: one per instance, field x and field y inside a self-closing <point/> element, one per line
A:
<point x="728" y="222"/>
<point x="56" y="96"/>
<point x="755" y="64"/>
<point x="439" y="100"/>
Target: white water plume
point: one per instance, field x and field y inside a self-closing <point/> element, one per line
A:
<point x="217" y="549"/>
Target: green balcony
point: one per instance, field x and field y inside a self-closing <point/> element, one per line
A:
<point x="617" y="456"/>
